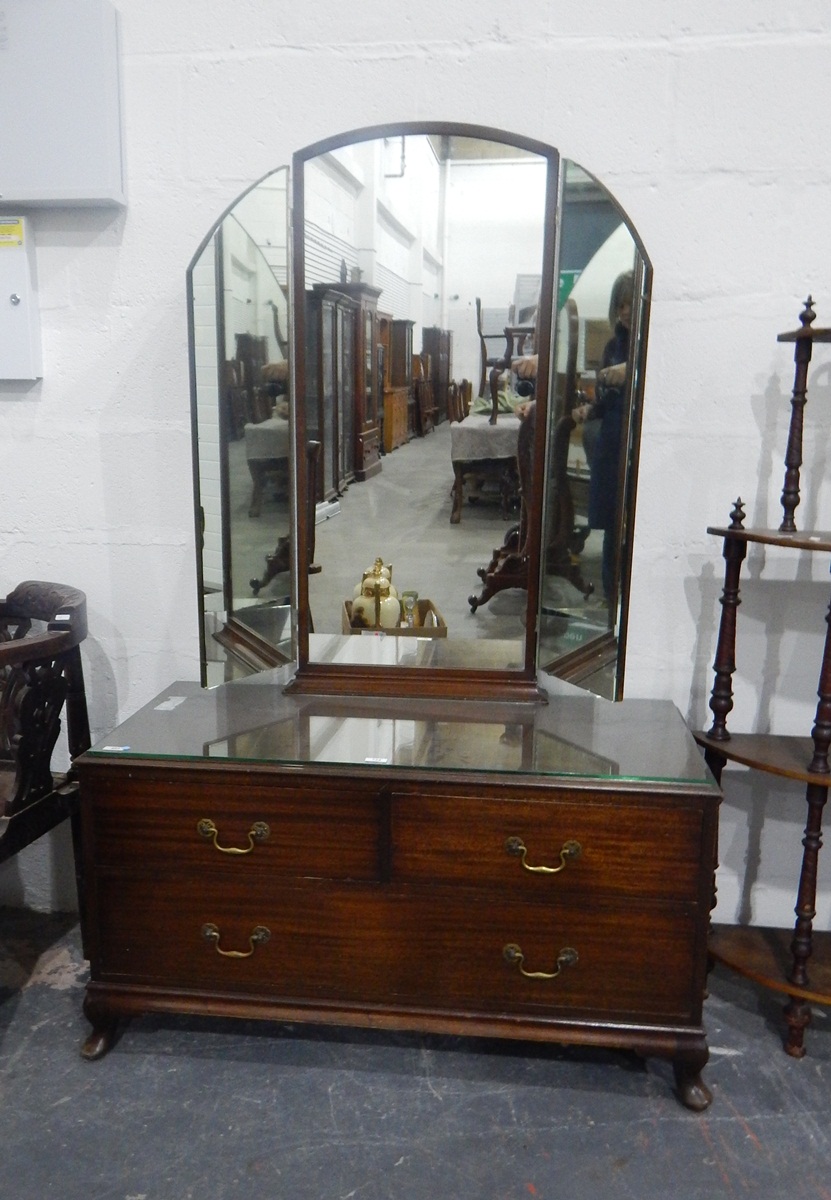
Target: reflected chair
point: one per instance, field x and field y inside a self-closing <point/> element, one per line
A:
<point x="41" y="628"/>
<point x="490" y="326"/>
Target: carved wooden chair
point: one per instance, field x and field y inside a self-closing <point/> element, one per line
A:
<point x="41" y="628"/>
<point x="491" y="340"/>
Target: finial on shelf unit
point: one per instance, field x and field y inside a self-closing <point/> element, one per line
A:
<point x="808" y="316"/>
<point x="737" y="515"/>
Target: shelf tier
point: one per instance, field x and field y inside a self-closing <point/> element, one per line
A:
<point x="773" y="753"/>
<point x="815" y="539"/>
<point x="764" y="956"/>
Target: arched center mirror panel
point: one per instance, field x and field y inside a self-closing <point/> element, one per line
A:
<point x="399" y="232"/>
<point x="469" y="331"/>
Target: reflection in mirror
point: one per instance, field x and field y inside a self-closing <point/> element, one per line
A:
<point x="428" y="319"/>
<point x="238" y="289"/>
<point x="593" y="437"/>
<point x="414" y="249"/>
<point x="417" y="739"/>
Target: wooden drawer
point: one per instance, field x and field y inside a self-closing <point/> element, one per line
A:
<point x="317" y="829"/>
<point x="638" y="850"/>
<point x="433" y="950"/>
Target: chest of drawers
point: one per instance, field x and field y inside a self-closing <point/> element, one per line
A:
<point x="247" y="875"/>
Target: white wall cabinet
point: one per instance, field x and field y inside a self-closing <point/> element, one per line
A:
<point x="20" y="353"/>
<point x="60" y="137"/>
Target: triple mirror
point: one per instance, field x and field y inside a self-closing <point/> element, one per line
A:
<point x="425" y="386"/>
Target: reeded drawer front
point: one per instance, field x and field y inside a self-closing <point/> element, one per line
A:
<point x="550" y="848"/>
<point x="327" y="829"/>
<point x="439" y="949"/>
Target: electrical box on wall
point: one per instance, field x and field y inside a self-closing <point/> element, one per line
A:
<point x="20" y="356"/>
<point x="60" y="95"/>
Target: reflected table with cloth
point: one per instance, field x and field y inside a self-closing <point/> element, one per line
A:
<point x="476" y="444"/>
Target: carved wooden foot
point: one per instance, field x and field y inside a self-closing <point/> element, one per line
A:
<point x="99" y="1041"/>
<point x="103" y="1033"/>
<point x="692" y="1091"/>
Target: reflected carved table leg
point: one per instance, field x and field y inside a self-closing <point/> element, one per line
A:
<point x="692" y="1090"/>
<point x="257" y="468"/>
<point x="457" y="493"/>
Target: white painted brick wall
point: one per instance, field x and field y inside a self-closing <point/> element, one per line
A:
<point x="708" y="122"/>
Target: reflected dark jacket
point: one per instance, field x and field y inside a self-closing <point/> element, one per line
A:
<point x="608" y="409"/>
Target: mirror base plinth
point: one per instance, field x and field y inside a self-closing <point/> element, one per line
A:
<point x="318" y="680"/>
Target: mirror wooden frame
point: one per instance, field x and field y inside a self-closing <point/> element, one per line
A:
<point x="327" y="678"/>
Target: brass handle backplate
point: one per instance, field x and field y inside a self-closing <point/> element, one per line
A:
<point x="259" y="936"/>
<point x="566" y="958"/>
<point x="258" y="832"/>
<point x="570" y="849"/>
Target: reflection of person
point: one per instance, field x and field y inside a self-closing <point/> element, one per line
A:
<point x="607" y="409"/>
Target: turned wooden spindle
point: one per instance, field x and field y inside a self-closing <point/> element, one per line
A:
<point x="798" y="1010"/>
<point x="721" y="698"/>
<point x="821" y="732"/>
<point x="804" y="339"/>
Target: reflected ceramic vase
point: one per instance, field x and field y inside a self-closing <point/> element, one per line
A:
<point x="375" y="607"/>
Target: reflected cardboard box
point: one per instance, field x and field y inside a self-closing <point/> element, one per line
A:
<point x="428" y="622"/>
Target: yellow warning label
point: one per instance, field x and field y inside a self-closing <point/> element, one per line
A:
<point x="11" y="231"/>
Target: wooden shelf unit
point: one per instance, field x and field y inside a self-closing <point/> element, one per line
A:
<point x="785" y="961"/>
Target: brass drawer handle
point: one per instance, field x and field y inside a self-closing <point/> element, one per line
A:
<point x="258" y="832"/>
<point x="566" y="958"/>
<point x="259" y="937"/>
<point x="571" y="849"/>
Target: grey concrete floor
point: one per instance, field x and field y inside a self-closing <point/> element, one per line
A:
<point x="182" y="1109"/>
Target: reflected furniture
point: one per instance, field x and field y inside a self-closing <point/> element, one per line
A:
<point x="565" y="537"/>
<point x="330" y="396"/>
<point x="367" y="450"/>
<point x="245" y="375"/>
<point x="42" y="626"/>
<point x="396" y="336"/>
<point x="797" y="962"/>
<point x="437" y="345"/>
<point x="490" y="329"/>
<point x="508" y="567"/>
<point x="442" y="867"/>
<point x="480" y="448"/>
<point x="267" y="451"/>
<point x="424" y="394"/>
<point x="396" y="396"/>
<point x="279" y="561"/>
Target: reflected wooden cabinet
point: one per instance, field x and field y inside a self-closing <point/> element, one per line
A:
<point x="367" y="434"/>
<point x="401" y="369"/>
<point x="437" y="344"/>
<point x="396" y="338"/>
<point x="394" y="396"/>
<point x="331" y="319"/>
